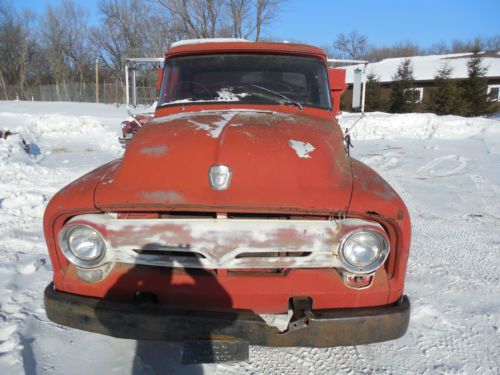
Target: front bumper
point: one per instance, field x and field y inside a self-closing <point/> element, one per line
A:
<point x="320" y="328"/>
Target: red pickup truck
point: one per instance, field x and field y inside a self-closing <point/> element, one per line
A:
<point x="234" y="208"/>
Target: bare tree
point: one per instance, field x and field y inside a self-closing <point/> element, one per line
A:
<point x="265" y="14"/>
<point x="240" y="13"/>
<point x="75" y="41"/>
<point x="196" y="18"/>
<point x="248" y="18"/>
<point x="221" y="18"/>
<point x="17" y="45"/>
<point x="492" y="43"/>
<point x="458" y="46"/>
<point x="9" y="39"/>
<point x="129" y="28"/>
<point x="483" y="44"/>
<point x="52" y="40"/>
<point x="65" y="37"/>
<point x="401" y="49"/>
<point x="161" y="36"/>
<point x="439" y="48"/>
<point x="25" y="49"/>
<point x="350" y="46"/>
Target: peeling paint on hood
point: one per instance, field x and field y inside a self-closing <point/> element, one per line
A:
<point x="270" y="172"/>
<point x="303" y="149"/>
<point x="215" y="128"/>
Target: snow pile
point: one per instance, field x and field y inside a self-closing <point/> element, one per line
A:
<point x="423" y="126"/>
<point x="13" y="149"/>
<point x="59" y="125"/>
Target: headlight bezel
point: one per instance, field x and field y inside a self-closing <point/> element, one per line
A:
<point x="379" y="260"/>
<point x="63" y="240"/>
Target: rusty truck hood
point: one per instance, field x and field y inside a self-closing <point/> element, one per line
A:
<point x="279" y="162"/>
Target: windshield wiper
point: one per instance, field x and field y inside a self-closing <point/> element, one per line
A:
<point x="288" y="100"/>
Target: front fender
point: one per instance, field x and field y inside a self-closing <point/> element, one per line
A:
<point x="75" y="198"/>
<point x="374" y="199"/>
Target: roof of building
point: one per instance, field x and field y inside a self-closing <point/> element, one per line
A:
<point x="426" y="67"/>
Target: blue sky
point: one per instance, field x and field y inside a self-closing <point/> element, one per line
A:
<point x="384" y="22"/>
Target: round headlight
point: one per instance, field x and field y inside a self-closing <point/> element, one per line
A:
<point x="82" y="245"/>
<point x="85" y="243"/>
<point x="363" y="251"/>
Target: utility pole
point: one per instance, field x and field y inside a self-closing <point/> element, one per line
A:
<point x="127" y="98"/>
<point x="364" y="89"/>
<point x="97" y="80"/>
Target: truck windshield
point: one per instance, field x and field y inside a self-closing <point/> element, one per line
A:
<point x="246" y="79"/>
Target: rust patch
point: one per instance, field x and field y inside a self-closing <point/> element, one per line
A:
<point x="154" y="151"/>
<point x="371" y="182"/>
<point x="387" y="193"/>
<point x="266" y="119"/>
<point x="162" y="196"/>
<point x="400" y="214"/>
<point x="343" y="166"/>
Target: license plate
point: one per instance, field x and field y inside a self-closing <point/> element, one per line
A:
<point x="194" y="352"/>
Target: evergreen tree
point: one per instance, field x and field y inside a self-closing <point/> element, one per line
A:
<point x="373" y="97"/>
<point x="446" y="97"/>
<point x="475" y="88"/>
<point x="402" y="99"/>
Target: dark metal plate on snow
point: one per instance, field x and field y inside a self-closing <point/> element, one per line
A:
<point x="194" y="352"/>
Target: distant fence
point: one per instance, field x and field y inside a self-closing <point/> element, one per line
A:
<point x="109" y="93"/>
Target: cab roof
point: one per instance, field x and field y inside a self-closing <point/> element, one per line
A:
<point x="219" y="46"/>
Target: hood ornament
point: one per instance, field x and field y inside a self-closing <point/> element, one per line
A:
<point x="220" y="177"/>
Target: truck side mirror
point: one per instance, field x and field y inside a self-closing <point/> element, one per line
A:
<point x="336" y="79"/>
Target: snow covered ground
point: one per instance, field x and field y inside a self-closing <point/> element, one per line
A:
<point x="446" y="168"/>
